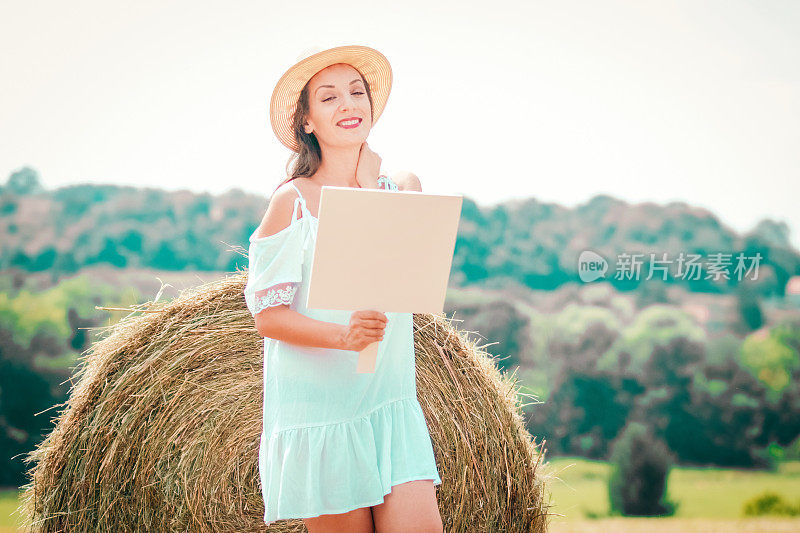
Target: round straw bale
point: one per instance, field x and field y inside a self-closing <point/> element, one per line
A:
<point x="161" y="429"/>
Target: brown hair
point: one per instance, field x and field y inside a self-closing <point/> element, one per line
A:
<point x="304" y="164"/>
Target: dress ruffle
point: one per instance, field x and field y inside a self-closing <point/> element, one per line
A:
<point x="306" y="474"/>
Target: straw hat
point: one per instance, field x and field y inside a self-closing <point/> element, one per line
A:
<point x="372" y="64"/>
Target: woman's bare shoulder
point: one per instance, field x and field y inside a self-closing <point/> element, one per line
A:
<point x="279" y="211"/>
<point x="310" y="191"/>
<point x="406" y="180"/>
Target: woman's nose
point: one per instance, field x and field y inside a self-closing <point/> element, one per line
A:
<point x="347" y="103"/>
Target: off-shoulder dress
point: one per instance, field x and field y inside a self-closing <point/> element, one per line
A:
<point x="333" y="440"/>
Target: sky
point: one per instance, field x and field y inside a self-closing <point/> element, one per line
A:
<point x="693" y="101"/>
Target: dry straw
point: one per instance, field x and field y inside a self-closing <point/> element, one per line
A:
<point x="162" y="426"/>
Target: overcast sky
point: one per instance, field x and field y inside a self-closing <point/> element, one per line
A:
<point x="697" y="101"/>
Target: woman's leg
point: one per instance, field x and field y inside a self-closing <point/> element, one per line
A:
<point x="410" y="508"/>
<point x="357" y="521"/>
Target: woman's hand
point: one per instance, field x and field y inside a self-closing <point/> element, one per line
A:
<point x="365" y="328"/>
<point x="368" y="168"/>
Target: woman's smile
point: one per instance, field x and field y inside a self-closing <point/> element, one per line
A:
<point x="349" y="123"/>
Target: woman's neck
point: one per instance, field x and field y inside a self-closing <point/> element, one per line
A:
<point x="338" y="167"/>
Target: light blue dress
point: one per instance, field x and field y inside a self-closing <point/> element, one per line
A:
<point x="333" y="440"/>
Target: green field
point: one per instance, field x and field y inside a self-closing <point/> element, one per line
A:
<point x="8" y="503"/>
<point x="581" y="490"/>
<point x="709" y="499"/>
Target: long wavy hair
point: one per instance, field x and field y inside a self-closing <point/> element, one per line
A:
<point x="306" y="162"/>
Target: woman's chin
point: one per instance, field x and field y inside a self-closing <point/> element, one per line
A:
<point x="352" y="143"/>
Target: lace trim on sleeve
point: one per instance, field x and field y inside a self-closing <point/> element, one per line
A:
<point x="280" y="294"/>
<point x="387" y="183"/>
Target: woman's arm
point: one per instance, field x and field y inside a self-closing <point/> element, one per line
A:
<point x="280" y="321"/>
<point x="285" y="324"/>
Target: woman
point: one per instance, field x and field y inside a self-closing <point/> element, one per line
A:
<point x="344" y="451"/>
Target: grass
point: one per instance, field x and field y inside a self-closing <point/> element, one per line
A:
<point x="677" y="525"/>
<point x="581" y="492"/>
<point x="9" y="500"/>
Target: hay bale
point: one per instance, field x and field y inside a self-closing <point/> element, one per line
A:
<point x="161" y="430"/>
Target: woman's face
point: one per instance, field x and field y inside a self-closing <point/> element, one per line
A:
<point x="336" y="96"/>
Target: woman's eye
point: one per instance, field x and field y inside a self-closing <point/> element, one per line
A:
<point x="332" y="97"/>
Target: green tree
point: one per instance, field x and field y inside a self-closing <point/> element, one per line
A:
<point x="771" y="358"/>
<point x="24" y="392"/>
<point x="640" y="467"/>
<point x="749" y="308"/>
<point x="23" y="181"/>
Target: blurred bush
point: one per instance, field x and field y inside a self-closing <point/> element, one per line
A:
<point x="770" y="503"/>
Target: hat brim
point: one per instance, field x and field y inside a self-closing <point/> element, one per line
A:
<point x="372" y="64"/>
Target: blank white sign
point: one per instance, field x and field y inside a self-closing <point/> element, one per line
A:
<point x="385" y="250"/>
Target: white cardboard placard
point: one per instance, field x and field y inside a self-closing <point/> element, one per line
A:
<point x="390" y="251"/>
